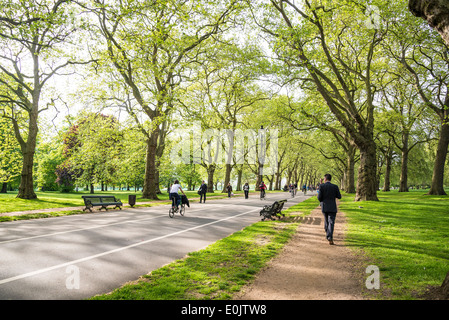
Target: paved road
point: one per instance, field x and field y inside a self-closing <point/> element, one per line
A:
<point x="76" y="257"/>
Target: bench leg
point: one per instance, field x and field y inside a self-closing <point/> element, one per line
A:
<point x="87" y="208"/>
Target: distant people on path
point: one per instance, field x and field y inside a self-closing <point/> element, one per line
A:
<point x="202" y="191"/>
<point x="246" y="190"/>
<point x="327" y="196"/>
<point x="229" y="189"/>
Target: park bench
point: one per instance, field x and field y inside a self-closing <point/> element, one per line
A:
<point x="103" y="201"/>
<point x="269" y="212"/>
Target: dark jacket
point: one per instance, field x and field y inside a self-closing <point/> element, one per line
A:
<point x="327" y="194"/>
<point x="185" y="200"/>
<point x="203" y="189"/>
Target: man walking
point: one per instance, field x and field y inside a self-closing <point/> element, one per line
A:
<point x="327" y="195"/>
<point x="202" y="191"/>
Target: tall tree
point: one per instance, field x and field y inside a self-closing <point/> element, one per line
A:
<point x="151" y="44"/>
<point x="424" y="56"/>
<point x="318" y="44"/>
<point x="95" y="156"/>
<point x="32" y="38"/>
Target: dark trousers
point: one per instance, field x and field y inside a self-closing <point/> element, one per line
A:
<point x="201" y="197"/>
<point x="246" y="194"/>
<point x="175" y="197"/>
<point x="329" y="222"/>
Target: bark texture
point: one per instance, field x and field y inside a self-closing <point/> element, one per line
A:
<point x="436" y="12"/>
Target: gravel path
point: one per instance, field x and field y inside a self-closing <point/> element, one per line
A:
<point x="309" y="268"/>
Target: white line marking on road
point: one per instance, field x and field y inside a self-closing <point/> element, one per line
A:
<point x="62" y="265"/>
<point x="88" y="228"/>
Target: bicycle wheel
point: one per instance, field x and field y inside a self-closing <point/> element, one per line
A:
<point x="171" y="212"/>
<point x="182" y="210"/>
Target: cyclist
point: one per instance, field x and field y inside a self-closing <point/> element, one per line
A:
<point x="292" y="190"/>
<point x="174" y="194"/>
<point x="262" y="188"/>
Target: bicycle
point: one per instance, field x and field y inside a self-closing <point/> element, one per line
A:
<point x="292" y="192"/>
<point x="174" y="209"/>
<point x="262" y="194"/>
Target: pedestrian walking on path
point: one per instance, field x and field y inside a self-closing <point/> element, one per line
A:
<point x="202" y="191"/>
<point x="229" y="189"/>
<point x="327" y="196"/>
<point x="246" y="190"/>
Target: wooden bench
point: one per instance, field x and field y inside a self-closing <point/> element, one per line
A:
<point x="269" y="212"/>
<point x="103" y="201"/>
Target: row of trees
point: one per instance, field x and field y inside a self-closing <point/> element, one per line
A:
<point x="369" y="80"/>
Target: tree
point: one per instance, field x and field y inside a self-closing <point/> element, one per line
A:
<point x="225" y="89"/>
<point x="404" y="119"/>
<point x="131" y="159"/>
<point x="96" y="147"/>
<point x="310" y="114"/>
<point x="49" y="157"/>
<point x="424" y="57"/>
<point x="322" y="52"/>
<point x="32" y="37"/>
<point x="151" y="44"/>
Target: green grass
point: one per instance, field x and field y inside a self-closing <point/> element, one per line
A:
<point x="216" y="272"/>
<point x="54" y="199"/>
<point x="302" y="208"/>
<point x="406" y="235"/>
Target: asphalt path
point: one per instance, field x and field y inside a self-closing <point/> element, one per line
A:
<point x="79" y="256"/>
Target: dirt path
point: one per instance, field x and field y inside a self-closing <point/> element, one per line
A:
<point x="309" y="268"/>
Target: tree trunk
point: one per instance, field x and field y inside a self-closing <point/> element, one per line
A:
<point x="403" y="182"/>
<point x="210" y="178"/>
<point x="445" y="287"/>
<point x="437" y="187"/>
<point x="159" y="153"/>
<point x="349" y="174"/>
<point x="149" y="187"/>
<point x="367" y="182"/>
<point x="4" y="187"/>
<point x="227" y="178"/>
<point x="389" y="156"/>
<point x="239" y="179"/>
<point x="436" y="12"/>
<point x="26" y="188"/>
<point x="258" y="182"/>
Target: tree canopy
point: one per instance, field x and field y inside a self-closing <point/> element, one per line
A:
<point x="228" y="91"/>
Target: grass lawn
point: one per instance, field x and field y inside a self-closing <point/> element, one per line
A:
<point x="54" y="199"/>
<point x="406" y="235"/>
